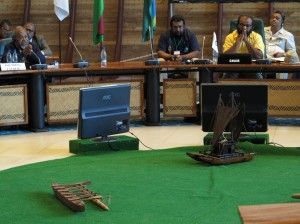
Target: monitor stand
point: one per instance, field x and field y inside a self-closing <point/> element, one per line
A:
<point x="105" y="139"/>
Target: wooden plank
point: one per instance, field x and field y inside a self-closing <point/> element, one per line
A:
<point x="270" y="213"/>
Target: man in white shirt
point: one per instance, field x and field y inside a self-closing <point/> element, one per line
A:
<point x="278" y="40"/>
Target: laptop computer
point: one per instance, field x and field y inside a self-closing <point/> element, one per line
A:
<point x="237" y="58"/>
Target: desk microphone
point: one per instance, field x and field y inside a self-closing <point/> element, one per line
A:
<point x="82" y="63"/>
<point x="202" y="61"/>
<point x="153" y="61"/>
<point x="39" y="66"/>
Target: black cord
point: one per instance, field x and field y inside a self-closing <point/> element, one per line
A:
<point x="141" y="141"/>
<point x="111" y="147"/>
<point x="275" y="144"/>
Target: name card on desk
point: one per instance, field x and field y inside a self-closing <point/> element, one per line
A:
<point x="12" y="66"/>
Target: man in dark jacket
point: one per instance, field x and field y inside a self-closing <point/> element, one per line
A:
<point x="38" y="39"/>
<point x="27" y="52"/>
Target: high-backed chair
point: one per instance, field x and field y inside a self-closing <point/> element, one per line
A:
<point x="257" y="26"/>
<point x="3" y="43"/>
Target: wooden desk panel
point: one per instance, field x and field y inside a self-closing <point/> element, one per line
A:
<point x="151" y="77"/>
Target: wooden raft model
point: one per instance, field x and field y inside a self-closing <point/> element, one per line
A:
<point x="73" y="195"/>
<point x="297" y="196"/>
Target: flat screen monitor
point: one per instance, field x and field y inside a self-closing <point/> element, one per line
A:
<point x="103" y="111"/>
<point x="253" y="96"/>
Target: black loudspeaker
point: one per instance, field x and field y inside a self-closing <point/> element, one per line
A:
<point x="263" y="61"/>
<point x="153" y="61"/>
<point x="202" y="61"/>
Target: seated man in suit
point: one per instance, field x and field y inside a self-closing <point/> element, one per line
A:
<point x="27" y="52"/>
<point x="38" y="39"/>
<point x="244" y="40"/>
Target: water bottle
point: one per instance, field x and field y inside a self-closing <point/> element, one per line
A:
<point x="8" y="57"/>
<point x="15" y="57"/>
<point x="215" y="57"/>
<point x="103" y="57"/>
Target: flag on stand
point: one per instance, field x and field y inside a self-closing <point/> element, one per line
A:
<point x="98" y="30"/>
<point x="149" y="20"/>
<point x="61" y="9"/>
<point x="214" y="44"/>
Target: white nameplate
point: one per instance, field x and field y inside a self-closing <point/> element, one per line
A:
<point x="12" y="66"/>
<point x="176" y="53"/>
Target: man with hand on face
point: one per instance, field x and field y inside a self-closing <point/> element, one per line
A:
<point x="244" y="40"/>
<point x="38" y="39"/>
<point x="179" y="43"/>
<point x="27" y="52"/>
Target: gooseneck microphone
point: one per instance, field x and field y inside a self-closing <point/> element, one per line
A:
<point x="202" y="61"/>
<point x="39" y="66"/>
<point x="82" y="63"/>
<point x="202" y="47"/>
<point x="153" y="61"/>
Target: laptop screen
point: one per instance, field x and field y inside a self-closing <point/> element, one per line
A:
<point x="238" y="58"/>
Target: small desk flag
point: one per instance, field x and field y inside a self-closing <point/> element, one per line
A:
<point x="61" y="9"/>
<point x="214" y="44"/>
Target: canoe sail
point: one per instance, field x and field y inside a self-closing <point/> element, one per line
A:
<point x="223" y="148"/>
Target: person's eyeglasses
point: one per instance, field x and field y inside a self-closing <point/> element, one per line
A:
<point x="22" y="37"/>
<point x="29" y="30"/>
<point x="6" y="30"/>
<point x="246" y="25"/>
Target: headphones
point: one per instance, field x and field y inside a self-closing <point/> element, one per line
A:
<point x="282" y="16"/>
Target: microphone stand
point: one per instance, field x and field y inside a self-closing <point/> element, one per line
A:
<point x="202" y="61"/>
<point x="153" y="61"/>
<point x="59" y="40"/>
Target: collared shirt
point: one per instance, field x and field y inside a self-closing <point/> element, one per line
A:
<point x="254" y="39"/>
<point x="187" y="43"/>
<point x="281" y="41"/>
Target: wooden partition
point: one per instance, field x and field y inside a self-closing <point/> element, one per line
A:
<point x="179" y="98"/>
<point x="14" y="106"/>
<point x="62" y="100"/>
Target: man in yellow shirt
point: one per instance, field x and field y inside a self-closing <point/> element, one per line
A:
<point x="244" y="40"/>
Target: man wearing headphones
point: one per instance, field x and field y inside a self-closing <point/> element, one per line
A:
<point x="38" y="39"/>
<point x="27" y="52"/>
<point x="279" y="41"/>
<point x="179" y="43"/>
<point x="244" y="40"/>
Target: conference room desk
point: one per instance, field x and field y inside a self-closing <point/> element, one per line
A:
<point x="151" y="75"/>
<point x="36" y="86"/>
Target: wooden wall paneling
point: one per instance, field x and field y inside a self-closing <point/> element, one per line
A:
<point x="26" y="11"/>
<point x="201" y="18"/>
<point x="12" y="10"/>
<point x="119" y="33"/>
